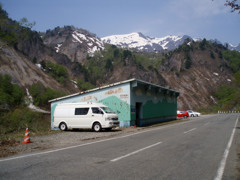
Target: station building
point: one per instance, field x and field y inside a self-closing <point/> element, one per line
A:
<point x="135" y="101"/>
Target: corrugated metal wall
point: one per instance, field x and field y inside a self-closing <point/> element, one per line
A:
<point x="156" y="104"/>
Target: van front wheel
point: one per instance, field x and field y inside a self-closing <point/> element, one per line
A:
<point x="63" y="127"/>
<point x="97" y="127"/>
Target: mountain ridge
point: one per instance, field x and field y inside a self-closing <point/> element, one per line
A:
<point x="139" y="41"/>
<point x="81" y="42"/>
<point x="78" y="43"/>
<point x="195" y="69"/>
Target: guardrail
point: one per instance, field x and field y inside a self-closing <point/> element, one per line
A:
<point x="227" y="112"/>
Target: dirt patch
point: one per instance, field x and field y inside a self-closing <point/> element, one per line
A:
<point x="7" y="147"/>
<point x="60" y="139"/>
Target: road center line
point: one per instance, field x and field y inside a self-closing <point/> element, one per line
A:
<point x="135" y="152"/>
<point x="225" y="155"/>
<point x="190" y="130"/>
<point x="95" y="142"/>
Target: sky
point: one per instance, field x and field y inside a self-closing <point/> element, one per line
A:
<point x="154" y="18"/>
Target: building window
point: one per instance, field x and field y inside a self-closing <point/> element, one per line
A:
<point x="81" y="111"/>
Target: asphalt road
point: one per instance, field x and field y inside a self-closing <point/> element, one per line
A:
<point x="195" y="149"/>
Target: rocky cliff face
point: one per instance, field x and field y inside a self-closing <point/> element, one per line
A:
<point x="196" y="71"/>
<point x="196" y="84"/>
<point x="23" y="71"/>
<point x="73" y="42"/>
<point x="21" y="51"/>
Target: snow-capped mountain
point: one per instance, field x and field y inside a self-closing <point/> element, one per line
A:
<point x="74" y="42"/>
<point x="229" y="46"/>
<point x="93" y="43"/>
<point x="233" y="47"/>
<point x="145" y="43"/>
<point x="77" y="43"/>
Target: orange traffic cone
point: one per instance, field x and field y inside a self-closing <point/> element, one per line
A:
<point x="27" y="138"/>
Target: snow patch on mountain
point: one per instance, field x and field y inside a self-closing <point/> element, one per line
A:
<point x="76" y="38"/>
<point x="93" y="44"/>
<point x="233" y="47"/>
<point x="58" y="47"/>
<point x="145" y="43"/>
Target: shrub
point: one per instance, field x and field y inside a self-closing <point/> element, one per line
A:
<point x="41" y="95"/>
<point x="21" y="118"/>
<point x="10" y="94"/>
<point x="234" y="58"/>
<point x="84" y="85"/>
<point x="228" y="97"/>
<point x="57" y="71"/>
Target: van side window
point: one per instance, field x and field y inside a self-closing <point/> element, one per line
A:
<point x="96" y="110"/>
<point x="81" y="111"/>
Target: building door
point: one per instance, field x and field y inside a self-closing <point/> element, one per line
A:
<point x="138" y="113"/>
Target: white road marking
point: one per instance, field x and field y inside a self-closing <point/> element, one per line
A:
<point x="190" y="130"/>
<point x="80" y="145"/>
<point x="135" y="152"/>
<point x="225" y="155"/>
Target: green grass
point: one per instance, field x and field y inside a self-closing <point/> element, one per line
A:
<point x="14" y="123"/>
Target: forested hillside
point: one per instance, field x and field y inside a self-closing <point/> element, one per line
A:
<point x="195" y="69"/>
<point x="229" y="95"/>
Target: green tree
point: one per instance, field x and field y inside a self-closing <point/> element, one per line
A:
<point x="109" y="65"/>
<point x="24" y="22"/>
<point x="234" y="58"/>
<point x="43" y="64"/>
<point x="41" y="95"/>
<point x="116" y="53"/>
<point x="212" y="55"/>
<point x="6" y="84"/>
<point x="203" y="44"/>
<point x="3" y="13"/>
<point x="188" y="62"/>
<point x="126" y="54"/>
<point x="84" y="85"/>
<point x="57" y="71"/>
<point x="10" y="94"/>
<point x="18" y="95"/>
<point x="34" y="60"/>
<point x="229" y="95"/>
<point x="237" y="78"/>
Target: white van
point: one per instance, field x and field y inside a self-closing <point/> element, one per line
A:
<point x="85" y="115"/>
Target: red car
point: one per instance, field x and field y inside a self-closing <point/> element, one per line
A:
<point x="182" y="114"/>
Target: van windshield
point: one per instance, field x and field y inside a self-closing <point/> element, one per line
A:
<point x="107" y="110"/>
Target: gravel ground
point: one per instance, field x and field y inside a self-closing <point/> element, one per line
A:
<point x="58" y="140"/>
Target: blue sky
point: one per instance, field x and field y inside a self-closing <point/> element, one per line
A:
<point x="155" y="18"/>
